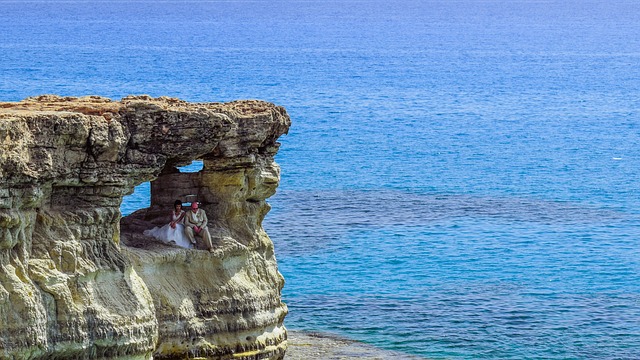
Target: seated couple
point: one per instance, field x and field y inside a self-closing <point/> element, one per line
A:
<point x="183" y="227"/>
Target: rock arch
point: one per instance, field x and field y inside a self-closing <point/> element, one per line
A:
<point x="86" y="286"/>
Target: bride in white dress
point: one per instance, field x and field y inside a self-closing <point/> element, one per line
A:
<point x="173" y="232"/>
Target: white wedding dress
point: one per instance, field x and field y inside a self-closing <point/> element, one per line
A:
<point x="168" y="234"/>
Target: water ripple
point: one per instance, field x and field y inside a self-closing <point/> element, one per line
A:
<point x="461" y="276"/>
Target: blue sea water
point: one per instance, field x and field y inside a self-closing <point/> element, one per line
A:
<point x="460" y="180"/>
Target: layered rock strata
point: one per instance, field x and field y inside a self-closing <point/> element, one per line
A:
<point x="77" y="281"/>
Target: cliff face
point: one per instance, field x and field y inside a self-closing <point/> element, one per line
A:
<point x="77" y="281"/>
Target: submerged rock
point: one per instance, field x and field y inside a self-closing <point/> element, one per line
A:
<point x="77" y="281"/>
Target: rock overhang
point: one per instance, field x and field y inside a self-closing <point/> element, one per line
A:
<point x="67" y="162"/>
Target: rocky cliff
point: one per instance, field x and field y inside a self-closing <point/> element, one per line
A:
<point x="77" y="281"/>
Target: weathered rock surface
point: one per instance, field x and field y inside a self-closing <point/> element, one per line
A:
<point x="312" y="345"/>
<point x="77" y="281"/>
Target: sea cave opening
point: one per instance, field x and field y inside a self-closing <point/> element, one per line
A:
<point x="141" y="196"/>
<point x="151" y="201"/>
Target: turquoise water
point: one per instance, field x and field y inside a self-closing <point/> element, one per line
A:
<point x="460" y="180"/>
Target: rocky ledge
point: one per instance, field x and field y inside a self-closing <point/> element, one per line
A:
<point x="77" y="281"/>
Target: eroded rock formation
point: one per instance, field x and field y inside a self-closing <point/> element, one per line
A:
<point x="77" y="281"/>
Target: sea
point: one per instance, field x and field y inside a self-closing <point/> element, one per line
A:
<point x="460" y="180"/>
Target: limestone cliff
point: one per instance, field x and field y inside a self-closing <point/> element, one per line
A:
<point x="77" y="281"/>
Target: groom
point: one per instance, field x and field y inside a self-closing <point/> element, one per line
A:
<point x="195" y="223"/>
